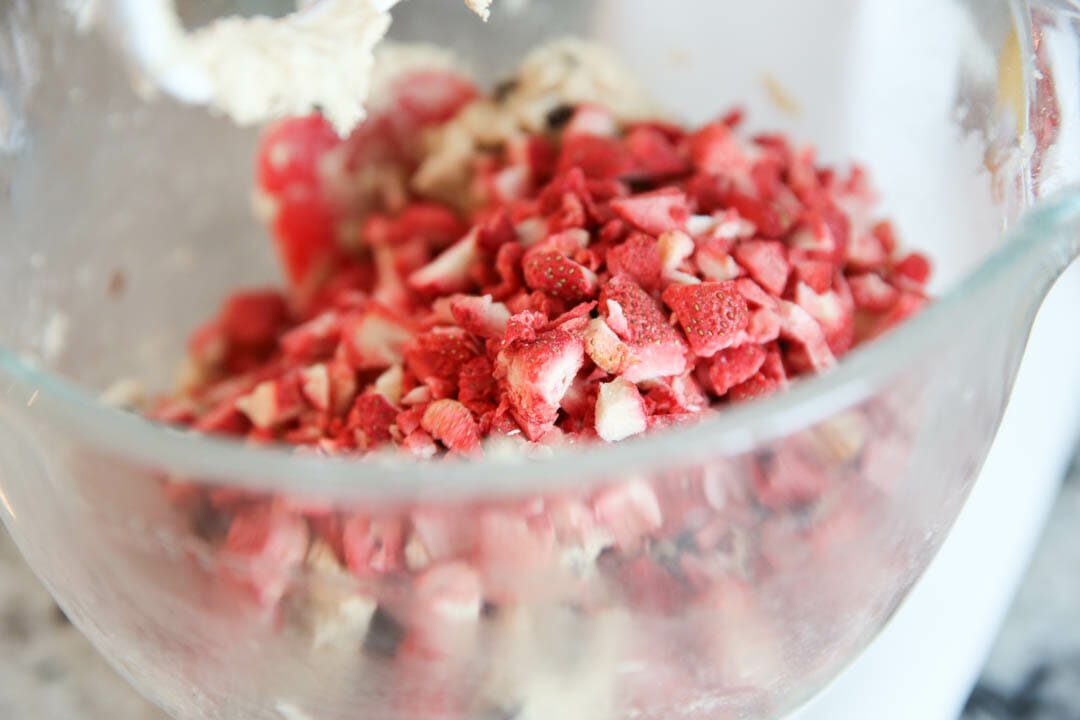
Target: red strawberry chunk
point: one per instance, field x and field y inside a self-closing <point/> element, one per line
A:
<point x="800" y="326"/>
<point x="254" y="318"/>
<point x="758" y="386"/>
<point x="437" y="356"/>
<point x="590" y="119"/>
<point x="290" y="151"/>
<point x="914" y="267"/>
<point x="549" y="270"/>
<point x="449" y="272"/>
<point x="865" y="252"/>
<point x="375" y="338"/>
<point x="639" y="259"/>
<point x="313" y="339"/>
<point x="734" y="366"/>
<point x="262" y="550"/>
<point x="766" y="262"/>
<point x="479" y="315"/>
<point x="373" y="546"/>
<point x="304" y="229"/>
<point x="836" y="317"/>
<point x="629" y="512"/>
<point x="605" y="349"/>
<point x="434" y="225"/>
<point x="654" y="213"/>
<point x="477" y="385"/>
<point x="872" y="293"/>
<point x="451" y="423"/>
<point x="273" y="402"/>
<point x="657" y="348"/>
<point x="817" y="274"/>
<point x="654" y="155"/>
<point x="370" y="420"/>
<point x="714" y="149"/>
<point x="431" y="97"/>
<point x="602" y="158"/>
<point x="536" y="374"/>
<point x="711" y="314"/>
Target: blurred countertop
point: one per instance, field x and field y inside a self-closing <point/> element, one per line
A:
<point x="48" y="671"/>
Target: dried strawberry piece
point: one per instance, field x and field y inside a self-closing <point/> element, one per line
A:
<point x="547" y="269"/>
<point x="866" y="252"/>
<point x="639" y="259"/>
<point x="786" y="478"/>
<point x="620" y="411"/>
<point x="436" y="226"/>
<point x="291" y="150"/>
<point x="766" y="262"/>
<point x="507" y="265"/>
<point x="305" y="229"/>
<point x="313" y="339"/>
<point x="373" y="545"/>
<point x="834" y="312"/>
<point x="449" y="272"/>
<point x="629" y="511"/>
<point x="654" y="155"/>
<point x="799" y="326"/>
<point x="254" y="318"/>
<point x="758" y="386"/>
<point x="263" y="548"/>
<point x="914" y="267"/>
<point x="574" y="319"/>
<point x="495" y="231"/>
<point x="714" y="149"/>
<point x="656" y="212"/>
<point x="536" y="374"/>
<point x="451" y="423"/>
<point x="598" y="157"/>
<point x="431" y="97"/>
<point x="872" y="293"/>
<point x="477" y="385"/>
<point x="817" y="274"/>
<point x="273" y="402"/>
<point x="591" y="119"/>
<point x="711" y="314"/>
<point x="657" y="348"/>
<point x="370" y="420"/>
<point x="679" y="395"/>
<point x="437" y="356"/>
<point x="605" y="349"/>
<point x="375" y="338"/>
<point x="534" y="152"/>
<point x="479" y="315"/>
<point x="716" y="264"/>
<point x="734" y="366"/>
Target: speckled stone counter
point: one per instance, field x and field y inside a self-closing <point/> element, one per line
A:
<point x="48" y="671"/>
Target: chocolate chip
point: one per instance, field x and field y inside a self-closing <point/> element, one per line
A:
<point x="384" y="634"/>
<point x="504" y="89"/>
<point x="558" y="116"/>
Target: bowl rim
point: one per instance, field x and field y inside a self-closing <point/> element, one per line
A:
<point x="1025" y="258"/>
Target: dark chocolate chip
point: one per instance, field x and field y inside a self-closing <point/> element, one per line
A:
<point x="558" y="116"/>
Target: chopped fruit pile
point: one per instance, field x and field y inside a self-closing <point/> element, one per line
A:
<point x="593" y="280"/>
<point x="467" y="275"/>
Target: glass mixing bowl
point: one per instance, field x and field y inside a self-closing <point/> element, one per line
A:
<point x="124" y="223"/>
